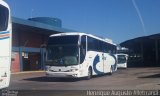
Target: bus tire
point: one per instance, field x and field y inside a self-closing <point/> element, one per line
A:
<point x="89" y="73"/>
<point x="111" y="70"/>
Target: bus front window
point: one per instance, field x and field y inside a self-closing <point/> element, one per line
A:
<point x="64" y="55"/>
<point x="122" y="59"/>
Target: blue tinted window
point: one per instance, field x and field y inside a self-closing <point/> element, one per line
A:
<point x="4" y="14"/>
<point x="62" y="40"/>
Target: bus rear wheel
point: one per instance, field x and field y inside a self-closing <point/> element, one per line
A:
<point x="89" y="74"/>
<point x="111" y="70"/>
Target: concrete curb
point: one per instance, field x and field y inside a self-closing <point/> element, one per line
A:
<point x="27" y="72"/>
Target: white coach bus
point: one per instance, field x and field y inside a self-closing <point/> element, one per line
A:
<point x="78" y="55"/>
<point x="122" y="60"/>
<point x="5" y="44"/>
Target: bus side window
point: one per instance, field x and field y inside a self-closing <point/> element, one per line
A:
<point x="82" y="49"/>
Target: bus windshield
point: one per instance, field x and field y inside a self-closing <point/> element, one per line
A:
<point x="122" y="59"/>
<point x="63" y="40"/>
<point x="62" y="55"/>
<point x="62" y="51"/>
<point x="4" y="14"/>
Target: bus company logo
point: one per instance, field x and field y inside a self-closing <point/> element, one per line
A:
<point x="95" y="62"/>
<point x="4" y="35"/>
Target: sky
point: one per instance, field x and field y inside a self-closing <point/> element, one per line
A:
<point x="119" y="20"/>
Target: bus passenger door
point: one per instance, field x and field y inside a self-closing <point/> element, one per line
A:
<point x="105" y="64"/>
<point x="100" y="66"/>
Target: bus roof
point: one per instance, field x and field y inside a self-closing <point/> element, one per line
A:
<point x="2" y="2"/>
<point x="80" y="33"/>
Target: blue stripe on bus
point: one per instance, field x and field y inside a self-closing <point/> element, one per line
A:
<point x="4" y="32"/>
<point x="95" y="62"/>
<point x="4" y="38"/>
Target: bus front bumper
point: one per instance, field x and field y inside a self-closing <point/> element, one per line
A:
<point x="121" y="66"/>
<point x="62" y="74"/>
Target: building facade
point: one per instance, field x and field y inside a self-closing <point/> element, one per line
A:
<point x="143" y="51"/>
<point x="27" y="40"/>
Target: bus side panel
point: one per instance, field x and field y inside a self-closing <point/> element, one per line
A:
<point x="5" y="61"/>
<point x="5" y="77"/>
<point x="5" y="47"/>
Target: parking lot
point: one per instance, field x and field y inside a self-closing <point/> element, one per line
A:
<point x="123" y="79"/>
<point x="131" y="78"/>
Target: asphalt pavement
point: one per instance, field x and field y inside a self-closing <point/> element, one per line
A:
<point x="124" y="79"/>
